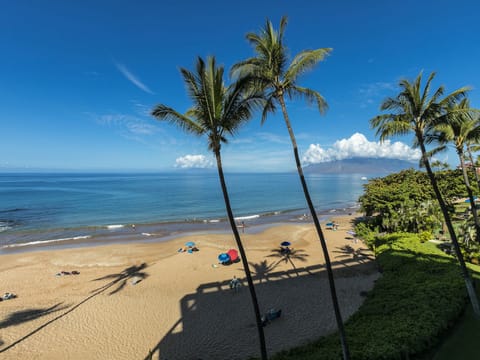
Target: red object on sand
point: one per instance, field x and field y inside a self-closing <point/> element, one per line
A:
<point x="233" y="255"/>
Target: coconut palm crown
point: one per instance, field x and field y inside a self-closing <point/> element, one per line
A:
<point x="216" y="112"/>
<point x="460" y="129"/>
<point x="274" y="74"/>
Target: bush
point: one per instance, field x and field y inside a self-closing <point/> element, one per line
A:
<point x="425" y="236"/>
<point x="365" y="233"/>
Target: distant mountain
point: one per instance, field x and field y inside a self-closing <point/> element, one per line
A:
<point x="360" y="166"/>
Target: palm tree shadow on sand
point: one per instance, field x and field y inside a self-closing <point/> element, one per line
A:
<point x="347" y="252"/>
<point x="287" y="255"/>
<point x="19" y="317"/>
<point x="133" y="273"/>
<point x="120" y="279"/>
<point x="262" y="269"/>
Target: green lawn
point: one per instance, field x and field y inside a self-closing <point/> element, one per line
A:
<point x="462" y="342"/>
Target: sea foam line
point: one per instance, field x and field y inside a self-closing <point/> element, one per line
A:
<point x="119" y="226"/>
<point x="250" y="217"/>
<point x="41" y="242"/>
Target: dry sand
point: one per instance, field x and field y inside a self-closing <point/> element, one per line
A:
<point x="183" y="307"/>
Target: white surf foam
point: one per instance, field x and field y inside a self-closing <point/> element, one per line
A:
<point x="41" y="242"/>
<point x="118" y="226"/>
<point x="250" y="217"/>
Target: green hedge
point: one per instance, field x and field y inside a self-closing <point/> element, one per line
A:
<point x="418" y="297"/>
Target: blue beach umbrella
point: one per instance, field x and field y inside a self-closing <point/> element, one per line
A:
<point x="286" y="243"/>
<point x="190" y="244"/>
<point x="223" y="258"/>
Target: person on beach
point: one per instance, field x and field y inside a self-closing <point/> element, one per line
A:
<point x="235" y="283"/>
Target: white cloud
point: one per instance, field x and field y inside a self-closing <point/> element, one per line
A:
<point x="132" y="124"/>
<point x="358" y="146"/>
<point x="132" y="78"/>
<point x="372" y="93"/>
<point x="193" y="161"/>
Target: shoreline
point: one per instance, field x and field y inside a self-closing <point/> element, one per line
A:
<point x="178" y="298"/>
<point x="53" y="239"/>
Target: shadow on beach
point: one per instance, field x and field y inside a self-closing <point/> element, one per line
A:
<point x="119" y="280"/>
<point x="19" y="317"/>
<point x="133" y="273"/>
<point x="218" y="323"/>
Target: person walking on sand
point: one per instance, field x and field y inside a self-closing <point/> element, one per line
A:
<point x="235" y="284"/>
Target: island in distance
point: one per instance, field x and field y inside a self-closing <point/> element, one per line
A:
<point x="360" y="166"/>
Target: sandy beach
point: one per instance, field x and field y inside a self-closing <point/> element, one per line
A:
<point x="129" y="299"/>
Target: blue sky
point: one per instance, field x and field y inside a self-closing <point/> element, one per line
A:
<point x="78" y="79"/>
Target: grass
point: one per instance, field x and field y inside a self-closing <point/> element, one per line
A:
<point x="461" y="342"/>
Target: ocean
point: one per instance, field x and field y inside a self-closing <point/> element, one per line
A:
<point x="39" y="210"/>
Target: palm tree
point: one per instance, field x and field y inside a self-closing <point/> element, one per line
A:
<point x="278" y="79"/>
<point x="461" y="128"/>
<point x="415" y="111"/>
<point x="217" y="111"/>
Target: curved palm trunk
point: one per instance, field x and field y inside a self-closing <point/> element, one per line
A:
<point x="258" y="318"/>
<point x="466" y="276"/>
<point x="333" y="292"/>
<point x="473" y="207"/>
<point x="473" y="166"/>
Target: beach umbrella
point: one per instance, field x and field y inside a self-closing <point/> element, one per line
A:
<point x="233" y="254"/>
<point x="285" y="243"/>
<point x="223" y="258"/>
<point x="190" y="244"/>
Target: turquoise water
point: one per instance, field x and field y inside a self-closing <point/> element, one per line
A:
<point x="36" y="208"/>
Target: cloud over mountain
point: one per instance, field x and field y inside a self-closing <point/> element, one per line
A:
<point x="357" y="146"/>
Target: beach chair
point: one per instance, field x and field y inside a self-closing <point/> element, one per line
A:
<point x="271" y="315"/>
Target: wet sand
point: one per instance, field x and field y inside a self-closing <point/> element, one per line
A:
<point x="181" y="306"/>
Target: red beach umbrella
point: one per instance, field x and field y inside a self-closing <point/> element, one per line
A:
<point x="233" y="255"/>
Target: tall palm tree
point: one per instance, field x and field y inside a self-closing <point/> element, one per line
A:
<point x="461" y="128"/>
<point x="415" y="111"/>
<point x="278" y="79"/>
<point x="217" y="111"/>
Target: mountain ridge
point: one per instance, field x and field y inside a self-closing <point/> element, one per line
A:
<point x="360" y="166"/>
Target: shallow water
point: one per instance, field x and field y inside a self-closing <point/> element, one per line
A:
<point x="71" y="209"/>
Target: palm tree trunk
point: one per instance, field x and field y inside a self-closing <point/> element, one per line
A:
<point x="474" y="168"/>
<point x="473" y="207"/>
<point x="466" y="275"/>
<point x="258" y="318"/>
<point x="333" y="292"/>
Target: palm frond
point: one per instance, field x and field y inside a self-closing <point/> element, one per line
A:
<point x="163" y="112"/>
<point x="389" y="125"/>
<point x="305" y="61"/>
<point x="311" y="96"/>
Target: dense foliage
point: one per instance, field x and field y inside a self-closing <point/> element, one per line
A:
<point x="418" y="297"/>
<point x="405" y="201"/>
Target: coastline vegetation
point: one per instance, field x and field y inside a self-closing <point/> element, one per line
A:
<point x="415" y="111"/>
<point x="413" y="305"/>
